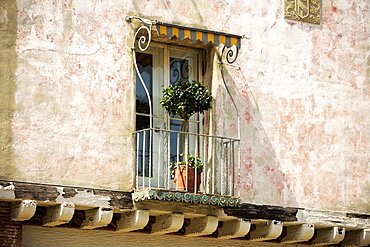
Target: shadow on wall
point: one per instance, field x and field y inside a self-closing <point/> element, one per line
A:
<point x="8" y="67"/>
<point x="262" y="180"/>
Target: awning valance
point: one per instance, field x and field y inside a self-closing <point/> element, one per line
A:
<point x="194" y="34"/>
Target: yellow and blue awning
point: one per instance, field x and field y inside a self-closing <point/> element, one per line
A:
<point x="194" y="34"/>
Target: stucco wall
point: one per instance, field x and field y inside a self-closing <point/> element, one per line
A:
<point x="302" y="92"/>
<point x="307" y="117"/>
<point x="8" y="66"/>
<point x="73" y="115"/>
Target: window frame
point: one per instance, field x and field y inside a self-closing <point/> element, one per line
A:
<point x="166" y="78"/>
<point x="167" y="48"/>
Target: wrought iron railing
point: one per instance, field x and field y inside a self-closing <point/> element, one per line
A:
<point x="159" y="151"/>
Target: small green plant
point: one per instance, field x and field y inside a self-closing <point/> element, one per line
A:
<point x="195" y="162"/>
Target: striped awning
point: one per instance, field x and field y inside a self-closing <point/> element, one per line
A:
<point x="194" y="34"/>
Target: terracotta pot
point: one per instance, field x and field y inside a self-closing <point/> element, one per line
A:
<point x="180" y="178"/>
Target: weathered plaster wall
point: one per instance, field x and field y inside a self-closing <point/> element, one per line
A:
<point x="8" y="66"/>
<point x="306" y="117"/>
<point x="73" y="120"/>
<point x="302" y="92"/>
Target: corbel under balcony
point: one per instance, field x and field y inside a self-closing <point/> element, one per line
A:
<point x="96" y="218"/>
<point x="234" y="229"/>
<point x="357" y="238"/>
<point x="133" y="220"/>
<point x="58" y="214"/>
<point x="202" y="226"/>
<point x="266" y="231"/>
<point x="299" y="233"/>
<point x="167" y="223"/>
<point x="23" y="210"/>
<point x="329" y="236"/>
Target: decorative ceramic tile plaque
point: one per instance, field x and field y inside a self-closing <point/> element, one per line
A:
<point x="180" y="196"/>
<point x="303" y="10"/>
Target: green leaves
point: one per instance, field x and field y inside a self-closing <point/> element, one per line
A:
<point x="195" y="162"/>
<point x="186" y="98"/>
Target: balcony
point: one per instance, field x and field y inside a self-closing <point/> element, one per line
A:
<point x="158" y="151"/>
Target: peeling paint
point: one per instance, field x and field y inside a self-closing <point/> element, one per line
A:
<point x="340" y="219"/>
<point x="85" y="198"/>
<point x="7" y="191"/>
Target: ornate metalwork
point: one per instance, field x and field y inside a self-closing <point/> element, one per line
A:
<point x="230" y="54"/>
<point x="141" y="40"/>
<point x="303" y="10"/>
<point x="180" y="70"/>
<point x="166" y="195"/>
<point x="140" y="37"/>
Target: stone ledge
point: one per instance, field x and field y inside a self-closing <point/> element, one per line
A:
<point x="179" y="196"/>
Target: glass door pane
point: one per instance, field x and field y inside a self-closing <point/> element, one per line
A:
<point x="183" y="66"/>
<point x="150" y="65"/>
<point x="159" y="67"/>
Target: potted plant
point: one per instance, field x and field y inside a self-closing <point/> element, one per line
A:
<point x="190" y="174"/>
<point x="184" y="99"/>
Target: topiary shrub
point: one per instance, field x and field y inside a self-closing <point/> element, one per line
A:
<point x="186" y="98"/>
